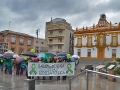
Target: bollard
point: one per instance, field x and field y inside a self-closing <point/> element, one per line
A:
<point x="87" y="80"/>
<point x="31" y="84"/>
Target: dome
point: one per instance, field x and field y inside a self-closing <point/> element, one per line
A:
<point x="57" y="19"/>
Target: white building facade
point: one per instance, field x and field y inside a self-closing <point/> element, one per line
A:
<point x="101" y="41"/>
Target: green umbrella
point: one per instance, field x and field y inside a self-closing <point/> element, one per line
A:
<point x="46" y="55"/>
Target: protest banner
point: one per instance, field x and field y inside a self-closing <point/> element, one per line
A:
<point x="51" y="69"/>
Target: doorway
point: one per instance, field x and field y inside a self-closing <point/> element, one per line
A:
<point x="100" y="53"/>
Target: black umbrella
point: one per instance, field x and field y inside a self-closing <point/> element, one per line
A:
<point x="61" y="54"/>
<point x="28" y="53"/>
<point x="8" y="55"/>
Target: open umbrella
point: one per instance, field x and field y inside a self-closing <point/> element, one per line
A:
<point x="18" y="60"/>
<point x="61" y="54"/>
<point x="8" y="54"/>
<point x="46" y="55"/>
<point x="1" y="56"/>
<point x="75" y="56"/>
<point x="15" y="56"/>
<point x="30" y="53"/>
<point x="36" y="58"/>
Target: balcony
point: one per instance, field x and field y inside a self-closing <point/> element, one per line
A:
<point x="4" y="40"/>
<point x="78" y="45"/>
<point x="89" y="45"/>
<point x="13" y="42"/>
<point x="56" y="42"/>
<point x="114" y="44"/>
<point x="56" y="35"/>
<point x="101" y="45"/>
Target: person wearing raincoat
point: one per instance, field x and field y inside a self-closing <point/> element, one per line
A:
<point x="5" y="65"/>
<point x="1" y="64"/>
<point x="22" y="66"/>
<point x="9" y="65"/>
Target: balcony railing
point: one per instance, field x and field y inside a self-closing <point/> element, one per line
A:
<point x="89" y="44"/>
<point x="114" y="44"/>
<point x="100" y="44"/>
<point x="55" y="34"/>
<point x="59" y="42"/>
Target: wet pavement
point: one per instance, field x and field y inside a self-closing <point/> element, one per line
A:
<point x="13" y="82"/>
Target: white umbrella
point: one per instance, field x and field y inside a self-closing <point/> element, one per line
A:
<point x="75" y="56"/>
<point x="15" y="56"/>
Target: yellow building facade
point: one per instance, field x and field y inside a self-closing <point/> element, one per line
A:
<point x="100" y="41"/>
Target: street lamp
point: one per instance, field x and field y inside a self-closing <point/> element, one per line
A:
<point x="37" y="31"/>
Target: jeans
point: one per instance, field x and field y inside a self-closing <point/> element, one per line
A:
<point x="9" y="69"/>
<point x="6" y="68"/>
<point x="1" y="67"/>
<point x="76" y="66"/>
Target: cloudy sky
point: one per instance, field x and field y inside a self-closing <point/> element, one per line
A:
<point x="27" y="16"/>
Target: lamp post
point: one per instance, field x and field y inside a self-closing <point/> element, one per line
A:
<point x="37" y="31"/>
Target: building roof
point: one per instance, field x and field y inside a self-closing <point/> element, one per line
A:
<point x="57" y="19"/>
<point x="16" y="33"/>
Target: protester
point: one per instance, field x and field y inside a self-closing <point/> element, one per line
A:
<point x="22" y="67"/>
<point x="1" y="64"/>
<point x="5" y="65"/>
<point x="59" y="60"/>
<point x="52" y="60"/>
<point x="76" y="63"/>
<point x="9" y="65"/>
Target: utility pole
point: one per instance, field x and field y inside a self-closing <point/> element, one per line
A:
<point x="37" y="31"/>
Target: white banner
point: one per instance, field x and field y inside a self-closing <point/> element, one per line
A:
<point x="51" y="69"/>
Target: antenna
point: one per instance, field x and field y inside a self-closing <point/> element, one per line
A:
<point x="9" y="25"/>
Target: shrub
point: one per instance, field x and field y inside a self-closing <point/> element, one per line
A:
<point x="117" y="70"/>
<point x="118" y="60"/>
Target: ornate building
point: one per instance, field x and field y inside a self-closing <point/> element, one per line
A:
<point x="101" y="41"/>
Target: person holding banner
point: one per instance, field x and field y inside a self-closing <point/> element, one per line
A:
<point x="51" y="61"/>
<point x="59" y="61"/>
<point x="43" y="61"/>
<point x="65" y="60"/>
<point x="76" y="63"/>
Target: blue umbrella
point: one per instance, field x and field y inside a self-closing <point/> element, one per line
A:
<point x="61" y="54"/>
<point x="1" y="56"/>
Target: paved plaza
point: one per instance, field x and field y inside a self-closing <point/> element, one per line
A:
<point x="13" y="82"/>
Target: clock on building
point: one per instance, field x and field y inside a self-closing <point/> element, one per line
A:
<point x="101" y="23"/>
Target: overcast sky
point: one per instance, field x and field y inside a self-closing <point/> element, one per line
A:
<point x="27" y="16"/>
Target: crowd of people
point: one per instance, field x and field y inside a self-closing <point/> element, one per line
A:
<point x="8" y="64"/>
